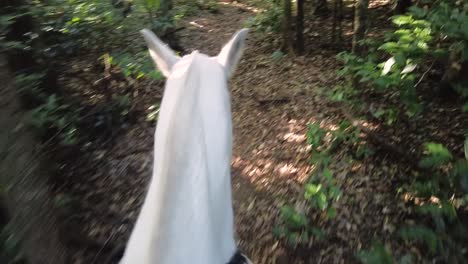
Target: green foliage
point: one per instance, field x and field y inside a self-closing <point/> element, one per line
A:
<point x="81" y="21"/>
<point x="322" y="193"/>
<point x="10" y="246"/>
<point x="277" y="55"/>
<point x="421" y="234"/>
<point x="185" y="8"/>
<point x="444" y="191"/>
<point x="151" y="5"/>
<point x="341" y="93"/>
<point x="377" y="254"/>
<point x="322" y="190"/>
<point x="405" y="48"/>
<point x="5" y="21"/>
<point x="295" y="227"/>
<point x="137" y="65"/>
<point x="268" y="20"/>
<point x="390" y="115"/>
<point x="398" y="62"/>
<point x="210" y="5"/>
<point x="55" y="116"/>
<point x="29" y="85"/>
<point x="436" y="155"/>
<point x="315" y="135"/>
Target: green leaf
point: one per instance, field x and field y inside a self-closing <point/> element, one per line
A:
<point x="389" y="47"/>
<point x="400" y="59"/>
<point x="402" y="20"/>
<point x="437" y="155"/>
<point x="331" y="212"/>
<point x="322" y="201"/>
<point x="317" y="232"/>
<point x="327" y="174"/>
<point x="312" y="190"/>
<point x="334" y="192"/>
<point x="315" y="134"/>
<point x="417" y="11"/>
<point x="378" y="254"/>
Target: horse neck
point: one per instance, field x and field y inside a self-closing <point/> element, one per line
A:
<point x="187" y="214"/>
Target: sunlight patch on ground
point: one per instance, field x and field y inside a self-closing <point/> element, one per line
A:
<point x="267" y="170"/>
<point x="195" y="24"/>
<point x="379" y="3"/>
<point x="293" y="137"/>
<point x="240" y="5"/>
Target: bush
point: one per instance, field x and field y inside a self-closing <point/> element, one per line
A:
<point x="422" y="37"/>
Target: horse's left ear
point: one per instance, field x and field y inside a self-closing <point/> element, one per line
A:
<point x="162" y="55"/>
<point x="232" y="52"/>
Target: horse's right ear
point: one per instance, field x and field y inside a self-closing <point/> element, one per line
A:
<point x="162" y="55"/>
<point x="232" y="52"/>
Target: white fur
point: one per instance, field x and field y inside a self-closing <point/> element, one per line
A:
<point x="187" y="215"/>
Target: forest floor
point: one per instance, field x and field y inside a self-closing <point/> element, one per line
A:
<point x="273" y="101"/>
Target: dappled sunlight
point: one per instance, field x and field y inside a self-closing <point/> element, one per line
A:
<point x="356" y="167"/>
<point x="293" y="137"/>
<point x="194" y="23"/>
<point x="379" y="3"/>
<point x="240" y="5"/>
<point x="268" y="171"/>
<point x="280" y="155"/>
<point x="410" y="197"/>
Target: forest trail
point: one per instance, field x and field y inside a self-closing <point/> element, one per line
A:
<point x="273" y="101"/>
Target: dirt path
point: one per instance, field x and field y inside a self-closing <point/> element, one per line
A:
<point x="272" y="103"/>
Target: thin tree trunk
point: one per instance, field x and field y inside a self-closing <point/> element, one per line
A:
<point x="26" y="200"/>
<point x="166" y="7"/>
<point x="27" y="197"/>
<point x="320" y="7"/>
<point x="360" y="24"/>
<point x="353" y="10"/>
<point x="334" y="21"/>
<point x="300" y="27"/>
<point x="401" y="6"/>
<point x="340" y="21"/>
<point x="287" y="20"/>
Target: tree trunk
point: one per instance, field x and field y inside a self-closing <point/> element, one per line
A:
<point x="25" y="201"/>
<point x="19" y="59"/>
<point x="340" y="21"/>
<point x="166" y="7"/>
<point x="320" y="7"/>
<point x="401" y="6"/>
<point x="300" y="27"/>
<point x="287" y="34"/>
<point x="337" y="31"/>
<point x="360" y="24"/>
<point x="27" y="198"/>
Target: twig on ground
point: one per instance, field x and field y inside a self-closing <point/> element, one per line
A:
<point x="424" y="74"/>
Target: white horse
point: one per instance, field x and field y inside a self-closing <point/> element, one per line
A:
<point x="187" y="215"/>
